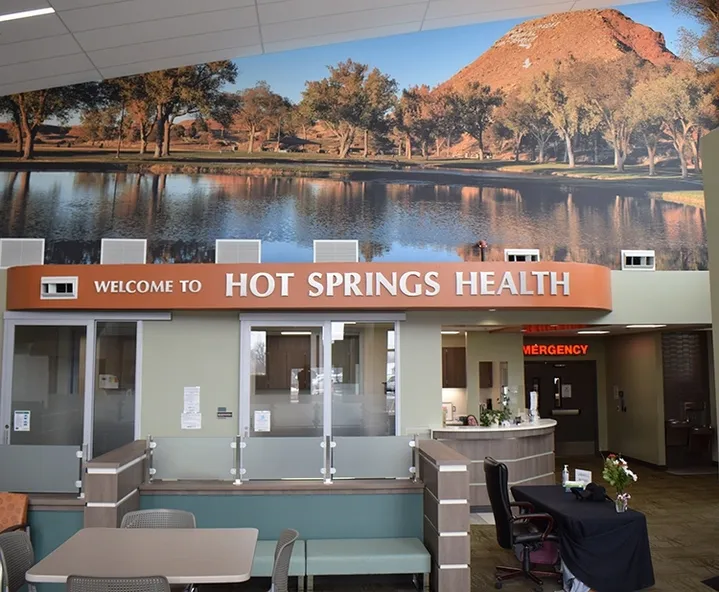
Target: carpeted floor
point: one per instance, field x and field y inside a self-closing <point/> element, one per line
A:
<point x="682" y="514"/>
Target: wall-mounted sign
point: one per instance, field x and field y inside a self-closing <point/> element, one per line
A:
<point x="315" y="286"/>
<point x="551" y="328"/>
<point x="558" y="349"/>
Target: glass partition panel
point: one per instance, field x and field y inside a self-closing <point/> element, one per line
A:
<point x="283" y="458"/>
<point x="363" y="380"/>
<point x="48" y="385"/>
<point x="193" y="458"/>
<point x="39" y="469"/>
<point x="114" y="418"/>
<point x="388" y="457"/>
<point x="286" y="382"/>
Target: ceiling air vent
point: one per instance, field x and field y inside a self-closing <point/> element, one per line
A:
<point x="639" y="261"/>
<point x="115" y="251"/>
<point x="336" y="251"/>
<point x="238" y="251"/>
<point x="521" y="255"/>
<point x="58" y="288"/>
<point x="22" y="251"/>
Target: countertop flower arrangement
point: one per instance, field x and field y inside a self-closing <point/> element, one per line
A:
<point x="617" y="473"/>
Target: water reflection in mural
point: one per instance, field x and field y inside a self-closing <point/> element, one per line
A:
<point x="181" y="216"/>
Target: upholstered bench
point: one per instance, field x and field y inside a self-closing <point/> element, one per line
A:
<point x="353" y="557"/>
<point x="265" y="558"/>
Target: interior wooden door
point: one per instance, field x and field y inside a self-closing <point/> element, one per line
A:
<point x="454" y="367"/>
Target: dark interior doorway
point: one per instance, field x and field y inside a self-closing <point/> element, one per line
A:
<point x="567" y="393"/>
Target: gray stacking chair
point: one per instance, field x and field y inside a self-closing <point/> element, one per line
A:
<point x="143" y="584"/>
<point x="16" y="557"/>
<point x="158" y="519"/>
<point x="283" y="554"/>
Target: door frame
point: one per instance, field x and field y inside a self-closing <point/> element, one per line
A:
<point x="308" y="320"/>
<point x="12" y="319"/>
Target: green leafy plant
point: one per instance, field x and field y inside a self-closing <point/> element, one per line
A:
<point x="616" y="472"/>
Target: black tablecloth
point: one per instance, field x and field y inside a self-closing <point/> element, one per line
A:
<point x="606" y="550"/>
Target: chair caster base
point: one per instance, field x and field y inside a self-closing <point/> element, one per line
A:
<point x="498" y="585"/>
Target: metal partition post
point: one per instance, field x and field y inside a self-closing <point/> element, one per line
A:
<point x="149" y="451"/>
<point x="414" y="469"/>
<point x="82" y="458"/>
<point x="328" y="469"/>
<point x="239" y="459"/>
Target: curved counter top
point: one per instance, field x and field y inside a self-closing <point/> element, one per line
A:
<point x="527" y="450"/>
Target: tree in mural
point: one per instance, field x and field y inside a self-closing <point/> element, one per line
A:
<point x="477" y="103"/>
<point x="255" y="109"/>
<point x="8" y="108"/>
<point x="416" y="118"/>
<point x="31" y="109"/>
<point x="348" y="100"/>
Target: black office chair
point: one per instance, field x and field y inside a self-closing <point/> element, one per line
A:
<point x="527" y="529"/>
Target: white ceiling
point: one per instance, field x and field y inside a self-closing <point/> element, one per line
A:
<point x="89" y="40"/>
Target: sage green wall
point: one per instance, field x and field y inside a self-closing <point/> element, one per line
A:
<point x="483" y="346"/>
<point x="3" y="301"/>
<point x="193" y="349"/>
<point x="634" y="365"/>
<point x="420" y="373"/>
<point x="710" y="153"/>
<point x="597" y="353"/>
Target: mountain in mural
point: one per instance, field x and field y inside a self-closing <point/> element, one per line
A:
<point x="534" y="46"/>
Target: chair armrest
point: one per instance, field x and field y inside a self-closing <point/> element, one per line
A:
<point x="15" y="527"/>
<point x="522" y="506"/>
<point x="537" y="517"/>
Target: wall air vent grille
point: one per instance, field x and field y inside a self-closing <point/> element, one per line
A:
<point x="22" y="251"/>
<point x="58" y="288"/>
<point x="521" y="255"/>
<point x="336" y="251"/>
<point x="114" y="251"/>
<point x="238" y="251"/>
<point x="639" y="261"/>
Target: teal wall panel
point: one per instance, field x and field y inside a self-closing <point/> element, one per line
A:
<point x="325" y="516"/>
<point x="48" y="530"/>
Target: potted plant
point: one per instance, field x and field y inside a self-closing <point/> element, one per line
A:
<point x="616" y="472"/>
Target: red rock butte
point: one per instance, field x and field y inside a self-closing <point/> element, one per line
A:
<point x="534" y="46"/>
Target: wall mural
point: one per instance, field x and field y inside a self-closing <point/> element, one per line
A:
<point x="575" y="133"/>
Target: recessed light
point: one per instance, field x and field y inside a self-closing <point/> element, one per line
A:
<point x="450" y="332"/>
<point x="592" y="332"/>
<point x="645" y="326"/>
<point x="13" y="16"/>
<point x="492" y="310"/>
<point x="296" y="333"/>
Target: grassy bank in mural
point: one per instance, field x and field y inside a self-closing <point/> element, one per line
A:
<point x="576" y="133"/>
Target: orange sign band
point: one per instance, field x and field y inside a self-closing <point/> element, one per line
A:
<point x="388" y="286"/>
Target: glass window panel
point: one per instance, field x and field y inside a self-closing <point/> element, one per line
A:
<point x="48" y="381"/>
<point x="287" y="380"/>
<point x="363" y="382"/>
<point x="115" y="363"/>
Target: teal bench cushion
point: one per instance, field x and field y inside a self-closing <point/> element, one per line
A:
<point x="344" y="557"/>
<point x="265" y="557"/>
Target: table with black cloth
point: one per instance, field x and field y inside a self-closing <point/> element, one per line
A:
<point x="606" y="550"/>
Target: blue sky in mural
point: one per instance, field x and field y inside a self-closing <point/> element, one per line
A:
<point x="429" y="57"/>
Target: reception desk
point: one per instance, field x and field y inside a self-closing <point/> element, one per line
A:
<point x="526" y="449"/>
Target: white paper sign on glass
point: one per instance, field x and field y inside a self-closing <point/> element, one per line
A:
<point x="566" y="391"/>
<point x="191" y="421"/>
<point x="583" y="476"/>
<point x="21" y="421"/>
<point x="191" y="399"/>
<point x="262" y="421"/>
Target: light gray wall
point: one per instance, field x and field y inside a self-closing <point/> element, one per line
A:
<point x="420" y="373"/>
<point x="710" y="154"/>
<point x="3" y="303"/>
<point x="193" y="349"/>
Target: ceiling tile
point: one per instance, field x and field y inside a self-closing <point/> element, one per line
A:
<point x="288" y="10"/>
<point x="343" y="37"/>
<point x="45" y="68"/>
<point x="342" y="23"/>
<point x="136" y="11"/>
<point x="70" y="4"/>
<point x="49" y="82"/>
<point x="179" y="61"/>
<point x="167" y="28"/>
<point x="29" y="51"/>
<point x="496" y="15"/>
<point x="450" y="8"/>
<point x="179" y="46"/>
<point x="38" y="27"/>
<point x="10" y="6"/>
